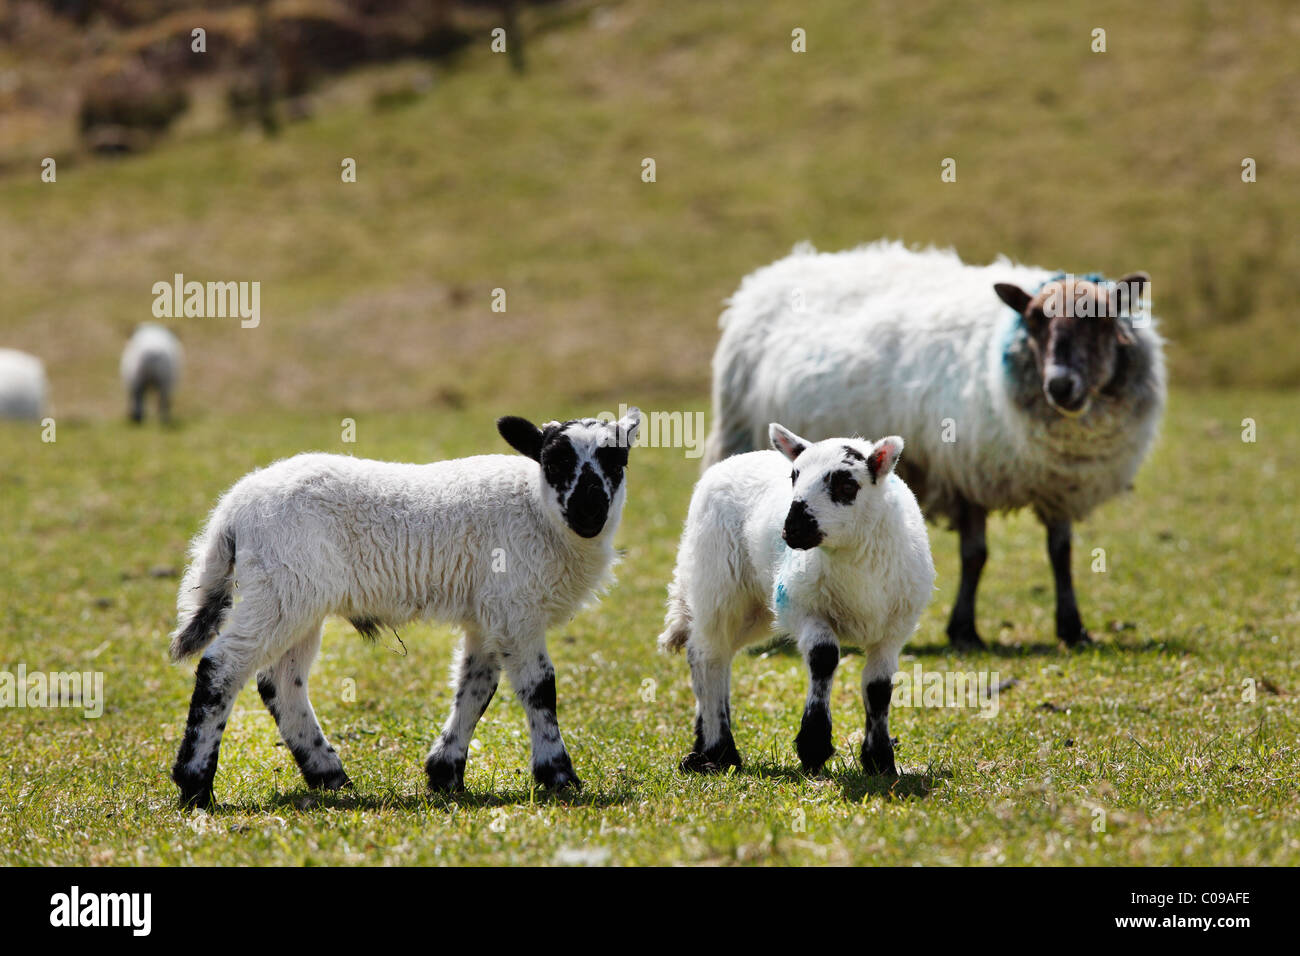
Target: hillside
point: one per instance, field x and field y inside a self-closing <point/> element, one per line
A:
<point x="377" y="294"/>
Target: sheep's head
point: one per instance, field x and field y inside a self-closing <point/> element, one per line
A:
<point x="1076" y="328"/>
<point x="836" y="486"/>
<point x="582" y="464"/>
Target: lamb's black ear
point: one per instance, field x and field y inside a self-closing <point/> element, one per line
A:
<point x="1012" y="295"/>
<point x="522" y="435"/>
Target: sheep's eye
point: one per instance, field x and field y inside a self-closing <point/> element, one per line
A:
<point x="844" y="488"/>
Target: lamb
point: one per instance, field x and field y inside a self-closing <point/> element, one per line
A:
<point x="501" y="546"/>
<point x="834" y="551"/>
<point x="22" y="385"/>
<point x="151" y="361"/>
<point x="1051" y="403"/>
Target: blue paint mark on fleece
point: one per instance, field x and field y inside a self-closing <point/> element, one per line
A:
<point x="782" y="598"/>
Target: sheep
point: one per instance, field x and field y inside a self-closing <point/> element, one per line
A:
<point x="22" y="385"/>
<point x="1051" y="403"/>
<point x="499" y="545"/>
<point x="834" y="551"/>
<point x="151" y="361"/>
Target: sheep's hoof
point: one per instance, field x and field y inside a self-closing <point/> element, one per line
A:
<point x="445" y="776"/>
<point x="558" y="775"/>
<point x="879" y="761"/>
<point x="814" y="744"/>
<point x="196" y="795"/>
<point x="1080" y="638"/>
<point x="696" y="762"/>
<point x="966" y="639"/>
<point x="337" y="780"/>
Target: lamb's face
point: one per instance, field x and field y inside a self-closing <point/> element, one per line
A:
<point x="1076" y="329"/>
<point x="836" y="486"/>
<point x="582" y="464"/>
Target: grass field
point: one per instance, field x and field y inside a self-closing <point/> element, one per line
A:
<point x="1201" y="593"/>
<point x="376" y="305"/>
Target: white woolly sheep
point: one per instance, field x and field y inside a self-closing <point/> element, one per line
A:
<point x="1051" y="403"/>
<point x="22" y="385"/>
<point x="151" y="361"/>
<point x="501" y="546"/>
<point x="833" y="552"/>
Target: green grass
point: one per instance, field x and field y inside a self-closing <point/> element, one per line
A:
<point x="376" y="304"/>
<point x="1202" y="592"/>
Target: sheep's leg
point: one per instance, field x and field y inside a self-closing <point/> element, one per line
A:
<point x="283" y="687"/>
<point x="137" y="404"/>
<point x="969" y="524"/>
<point x="821" y="652"/>
<point x="877" y="689"/>
<point x="715" y="748"/>
<point x="533" y="678"/>
<point x="223" y="670"/>
<point x="1069" y="626"/>
<point x="476" y="676"/>
<point x="165" y="406"/>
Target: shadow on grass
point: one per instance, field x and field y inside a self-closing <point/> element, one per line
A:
<point x="1108" y="646"/>
<point x="854" y="783"/>
<point x="304" y="800"/>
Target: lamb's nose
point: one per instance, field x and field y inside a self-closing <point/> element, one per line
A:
<point x="801" y="531"/>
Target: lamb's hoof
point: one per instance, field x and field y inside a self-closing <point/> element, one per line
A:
<point x="879" y="762"/>
<point x="814" y="744"/>
<point x="558" y="775"/>
<point x="335" y="780"/>
<point x="697" y="762"/>
<point x="445" y="776"/>
<point x="195" y="795"/>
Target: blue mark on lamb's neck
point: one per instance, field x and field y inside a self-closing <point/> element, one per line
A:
<point x="782" y="598"/>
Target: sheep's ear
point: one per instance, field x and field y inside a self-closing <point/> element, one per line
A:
<point x="628" y="426"/>
<point x="786" y="441"/>
<point x="1012" y="295"/>
<point x="1127" y="296"/>
<point x="883" y="457"/>
<point x="522" y="435"/>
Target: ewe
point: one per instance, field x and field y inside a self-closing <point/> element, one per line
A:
<point x="834" y="551"/>
<point x="501" y="546"/>
<point x="1051" y="403"/>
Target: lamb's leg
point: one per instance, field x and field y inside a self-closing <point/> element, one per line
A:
<point x="1069" y="626"/>
<point x="165" y="405"/>
<point x="533" y="678"/>
<point x="283" y="687"/>
<point x="476" y="675"/>
<point x="969" y="524"/>
<point x="821" y="652"/>
<point x="877" y="689"/>
<point x="715" y="749"/>
<point x="137" y="405"/>
<point x="223" y="670"/>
